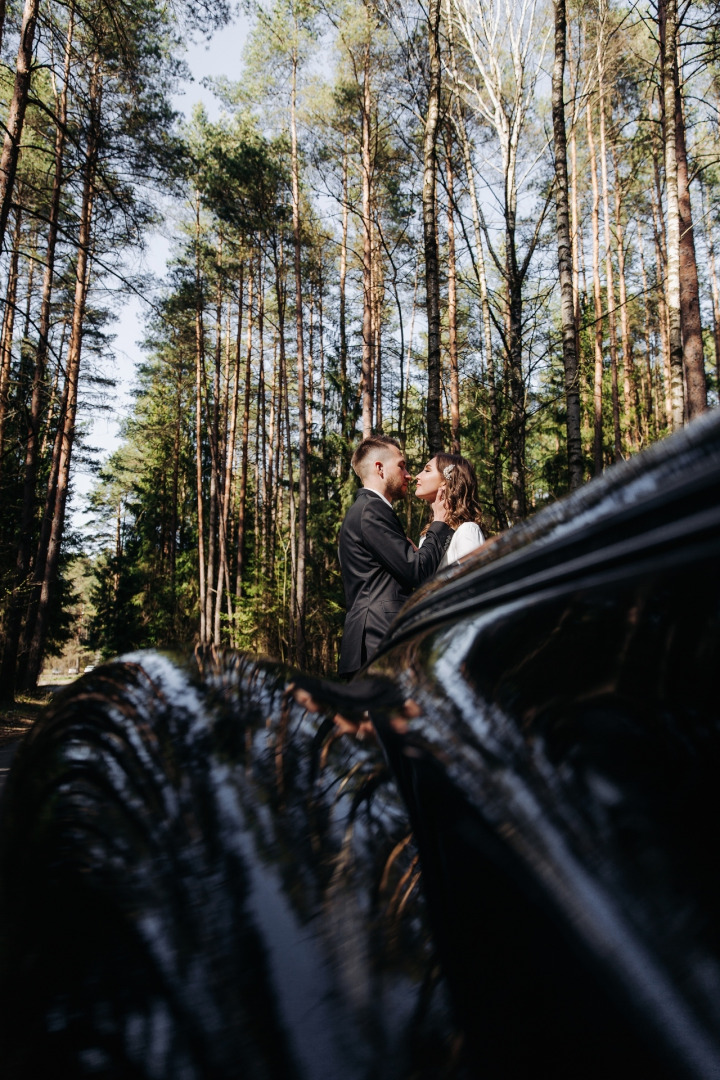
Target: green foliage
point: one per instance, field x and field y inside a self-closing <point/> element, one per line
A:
<point x="206" y="482"/>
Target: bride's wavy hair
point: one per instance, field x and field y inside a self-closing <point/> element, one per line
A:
<point x="461" y="489"/>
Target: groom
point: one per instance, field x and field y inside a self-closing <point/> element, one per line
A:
<point x="380" y="567"/>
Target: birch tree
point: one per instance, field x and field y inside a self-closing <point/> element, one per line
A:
<point x="565" y="259"/>
<point x="506" y="45"/>
<point x="667" y="19"/>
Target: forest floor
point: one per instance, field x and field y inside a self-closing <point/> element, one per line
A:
<point x="16" y="720"/>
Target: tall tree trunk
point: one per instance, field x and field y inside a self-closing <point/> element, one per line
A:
<point x="478" y="260"/>
<point x="16" y="115"/>
<point x="579" y="287"/>
<point x="452" y="307"/>
<point x="429" y="210"/>
<point x="630" y="395"/>
<point x="47" y="561"/>
<point x="12" y="623"/>
<point x="609" y="272"/>
<point x="366" y="378"/>
<point x="32" y="259"/>
<point x="378" y="290"/>
<point x="344" y="389"/>
<point x="272" y="472"/>
<point x="259" y="455"/>
<point x="199" y="385"/>
<point x="518" y="412"/>
<point x="299" y="612"/>
<point x="212" y="411"/>
<point x="279" y="510"/>
<point x="175" y="511"/>
<point x="8" y="325"/>
<point x="245" y="438"/>
<point x="667" y="21"/>
<point x="597" y="293"/>
<point x="230" y="450"/>
<point x="661" y="277"/>
<point x="226" y="457"/>
<point x="223" y="587"/>
<point x="310" y="387"/>
<point x="647" y="419"/>
<point x="265" y="451"/>
<point x="693" y="358"/>
<point x="576" y="233"/>
<point x="50" y="412"/>
<point x="292" y="511"/>
<point x="715" y="295"/>
<point x="321" y="334"/>
<point x="565" y="260"/>
<point x="405" y="380"/>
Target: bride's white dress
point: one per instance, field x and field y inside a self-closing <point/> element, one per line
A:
<point x="467" y="538"/>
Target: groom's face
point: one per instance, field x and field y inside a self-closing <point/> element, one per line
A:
<point x="395" y="474"/>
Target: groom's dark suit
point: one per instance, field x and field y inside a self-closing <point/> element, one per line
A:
<point x="380" y="568"/>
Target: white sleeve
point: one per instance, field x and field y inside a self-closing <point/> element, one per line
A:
<point x="468" y="537"/>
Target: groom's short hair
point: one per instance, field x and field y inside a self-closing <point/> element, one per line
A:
<point x="371" y="445"/>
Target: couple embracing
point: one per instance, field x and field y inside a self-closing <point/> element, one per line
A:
<point x="380" y="566"/>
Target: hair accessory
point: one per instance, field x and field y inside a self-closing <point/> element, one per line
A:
<point x="447" y="470"/>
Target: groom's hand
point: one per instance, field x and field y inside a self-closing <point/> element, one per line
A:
<point x="439" y="506"/>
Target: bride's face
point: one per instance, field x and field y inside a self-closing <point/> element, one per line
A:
<point x="428" y="481"/>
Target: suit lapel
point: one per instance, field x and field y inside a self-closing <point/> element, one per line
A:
<point x="370" y="494"/>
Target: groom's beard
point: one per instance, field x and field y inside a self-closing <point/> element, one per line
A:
<point x="396" y="490"/>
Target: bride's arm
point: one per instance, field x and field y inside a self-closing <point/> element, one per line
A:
<point x="468" y="537"/>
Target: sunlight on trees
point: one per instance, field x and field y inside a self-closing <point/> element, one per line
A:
<point x="487" y="226"/>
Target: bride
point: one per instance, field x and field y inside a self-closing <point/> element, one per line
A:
<point x="456" y="477"/>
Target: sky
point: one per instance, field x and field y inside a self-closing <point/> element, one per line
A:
<point x="216" y="57"/>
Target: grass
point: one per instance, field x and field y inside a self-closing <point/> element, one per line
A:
<point x="17" y="718"/>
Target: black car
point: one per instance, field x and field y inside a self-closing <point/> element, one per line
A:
<point x="516" y="876"/>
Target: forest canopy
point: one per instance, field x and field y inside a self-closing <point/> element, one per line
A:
<point x="480" y="227"/>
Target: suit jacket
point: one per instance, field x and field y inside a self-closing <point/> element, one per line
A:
<point x="380" y="568"/>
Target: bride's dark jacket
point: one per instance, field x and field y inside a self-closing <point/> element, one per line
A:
<point x="380" y="568"/>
